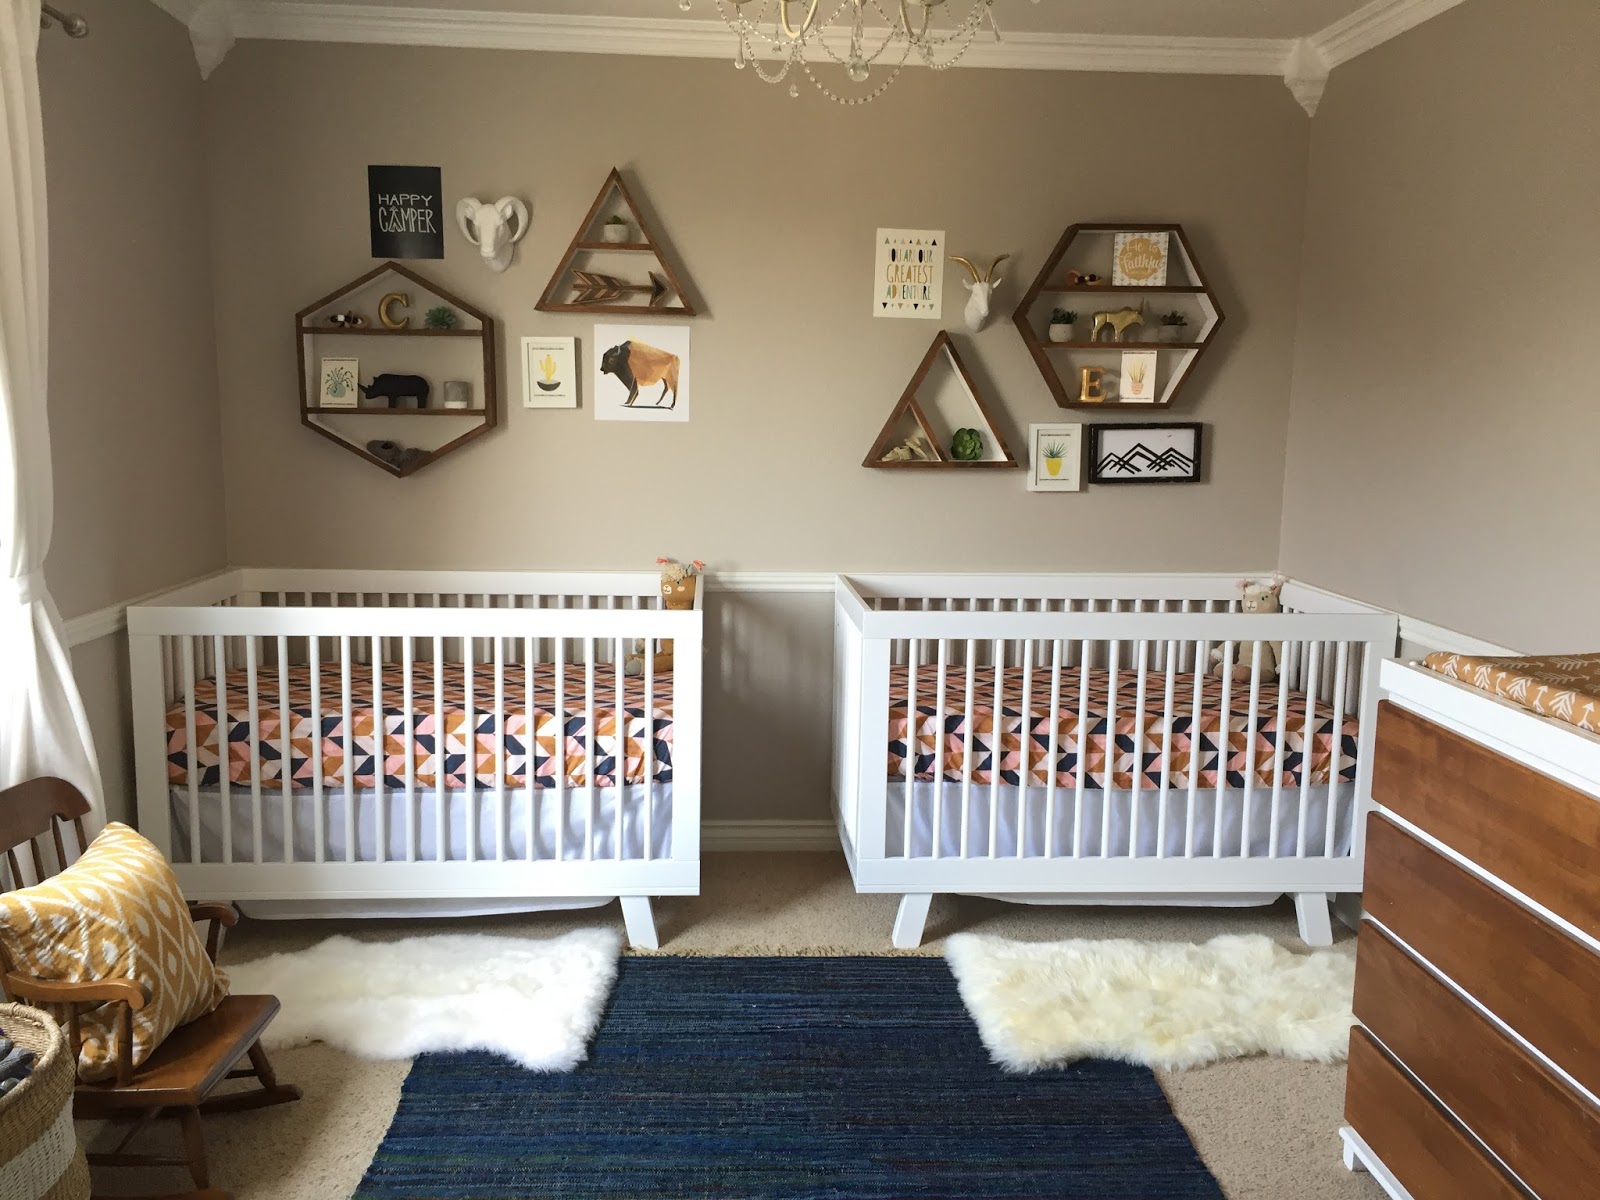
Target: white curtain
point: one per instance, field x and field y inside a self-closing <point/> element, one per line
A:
<point x="43" y="730"/>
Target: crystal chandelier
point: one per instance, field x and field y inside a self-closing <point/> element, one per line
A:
<point x="768" y="28"/>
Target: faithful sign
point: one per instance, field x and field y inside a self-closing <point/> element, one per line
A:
<point x="909" y="274"/>
<point x="407" y="212"/>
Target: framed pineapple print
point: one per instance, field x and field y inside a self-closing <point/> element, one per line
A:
<point x="1055" y="458"/>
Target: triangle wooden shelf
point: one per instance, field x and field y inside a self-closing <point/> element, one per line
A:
<point x="909" y="405"/>
<point x="564" y="284"/>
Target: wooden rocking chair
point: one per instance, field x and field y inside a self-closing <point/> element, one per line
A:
<point x="180" y="1076"/>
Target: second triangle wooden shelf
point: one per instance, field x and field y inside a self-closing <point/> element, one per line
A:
<point x="912" y="412"/>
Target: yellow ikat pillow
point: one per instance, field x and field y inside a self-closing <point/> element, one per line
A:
<point x="116" y="913"/>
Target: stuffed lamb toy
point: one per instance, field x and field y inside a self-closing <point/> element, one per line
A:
<point x="1253" y="598"/>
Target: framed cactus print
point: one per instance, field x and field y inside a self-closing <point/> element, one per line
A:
<point x="1055" y="458"/>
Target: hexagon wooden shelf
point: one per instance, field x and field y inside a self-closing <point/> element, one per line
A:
<point x="442" y="347"/>
<point x="1087" y="248"/>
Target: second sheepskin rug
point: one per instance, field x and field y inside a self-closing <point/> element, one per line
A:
<point x="1159" y="1004"/>
<point x="537" y="1002"/>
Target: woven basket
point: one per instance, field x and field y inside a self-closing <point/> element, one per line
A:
<point x="39" y="1154"/>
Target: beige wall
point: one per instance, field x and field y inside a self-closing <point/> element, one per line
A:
<point x="1445" y="423"/>
<point x="770" y="205"/>
<point x="134" y="418"/>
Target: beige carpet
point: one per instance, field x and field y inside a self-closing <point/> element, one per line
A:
<point x="1265" y="1127"/>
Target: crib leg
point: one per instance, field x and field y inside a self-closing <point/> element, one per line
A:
<point x="1311" y="909"/>
<point x="641" y="922"/>
<point x="908" y="922"/>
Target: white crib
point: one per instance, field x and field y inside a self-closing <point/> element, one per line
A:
<point x="955" y="694"/>
<point x="401" y="742"/>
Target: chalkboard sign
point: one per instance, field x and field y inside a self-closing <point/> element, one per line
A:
<point x="407" y="212"/>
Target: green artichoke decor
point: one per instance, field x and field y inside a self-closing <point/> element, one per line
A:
<point x="967" y="445"/>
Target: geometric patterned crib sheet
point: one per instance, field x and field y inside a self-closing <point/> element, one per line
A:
<point x="1563" y="686"/>
<point x="1130" y="747"/>
<point x="554" y="740"/>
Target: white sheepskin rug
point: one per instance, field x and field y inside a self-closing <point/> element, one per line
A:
<point x="1159" y="1004"/>
<point x="535" y="1002"/>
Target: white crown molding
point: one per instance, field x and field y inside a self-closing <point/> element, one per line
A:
<point x="1303" y="63"/>
<point x="1374" y="24"/>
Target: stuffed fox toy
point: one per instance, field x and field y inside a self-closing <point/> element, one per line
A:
<point x="1253" y="598"/>
<point x="679" y="583"/>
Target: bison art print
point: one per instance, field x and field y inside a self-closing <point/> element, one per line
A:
<point x="637" y="365"/>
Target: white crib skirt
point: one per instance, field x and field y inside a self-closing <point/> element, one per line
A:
<point x="483" y="810"/>
<point x="1017" y="808"/>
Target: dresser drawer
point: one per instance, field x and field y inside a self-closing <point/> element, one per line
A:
<point x="1541" y="1128"/>
<point x="1426" y="1148"/>
<point x="1540" y="836"/>
<point x="1538" y="980"/>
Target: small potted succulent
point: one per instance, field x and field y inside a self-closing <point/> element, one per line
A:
<point x="441" y="316"/>
<point x="1173" y="325"/>
<point x="1062" y="323"/>
<point x="616" y="230"/>
<point x="966" y="445"/>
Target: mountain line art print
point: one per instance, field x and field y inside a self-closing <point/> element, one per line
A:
<point x="1140" y="459"/>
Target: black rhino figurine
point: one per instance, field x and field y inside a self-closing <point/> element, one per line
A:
<point x="394" y="387"/>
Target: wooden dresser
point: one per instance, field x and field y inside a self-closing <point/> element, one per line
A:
<point x="1476" y="1066"/>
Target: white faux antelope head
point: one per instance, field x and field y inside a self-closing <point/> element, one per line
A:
<point x="977" y="311"/>
<point x="494" y="229"/>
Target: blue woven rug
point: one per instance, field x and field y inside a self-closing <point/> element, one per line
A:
<point x="782" y="1078"/>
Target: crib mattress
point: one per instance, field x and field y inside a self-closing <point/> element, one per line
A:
<point x="539" y="739"/>
<point x="1228" y="745"/>
<point x="1565" y="687"/>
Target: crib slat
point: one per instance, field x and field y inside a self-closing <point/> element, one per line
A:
<point x="441" y="774"/>
<point x="1202" y="661"/>
<point x="649" y="767"/>
<point x="1170" y="659"/>
<point x="349" y="749"/>
<point x="619" y="727"/>
<point x="1113" y="664"/>
<point x="589" y="747"/>
<point x="1336" y="748"/>
<point x="1250" y="750"/>
<point x="319" y="797"/>
<point x="1080" y="814"/>
<point x="499" y="749"/>
<point x="1225" y="756"/>
<point x="380" y="755"/>
<point x="187" y="643"/>
<point x="909" y="765"/>
<point x="470" y="733"/>
<point x="996" y="755"/>
<point x="530" y="791"/>
<point x="1313" y="659"/>
<point x="408" y="689"/>
<point x="253" y="702"/>
<point x="1140" y="696"/>
<point x="285" y="750"/>
<point x="559" y="767"/>
<point x="938" y="750"/>
<point x="970" y="712"/>
<point x="1024" y="769"/>
<point x="1280" y="752"/>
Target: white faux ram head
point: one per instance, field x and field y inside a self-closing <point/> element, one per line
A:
<point x="980" y="287"/>
<point x="495" y="229"/>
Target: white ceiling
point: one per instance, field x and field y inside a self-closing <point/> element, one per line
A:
<point x="1299" y="41"/>
<point x="1142" y="18"/>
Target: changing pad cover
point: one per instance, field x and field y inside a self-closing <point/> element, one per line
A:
<point x="1563" y="686"/>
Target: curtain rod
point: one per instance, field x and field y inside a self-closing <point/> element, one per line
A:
<point x="74" y="25"/>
